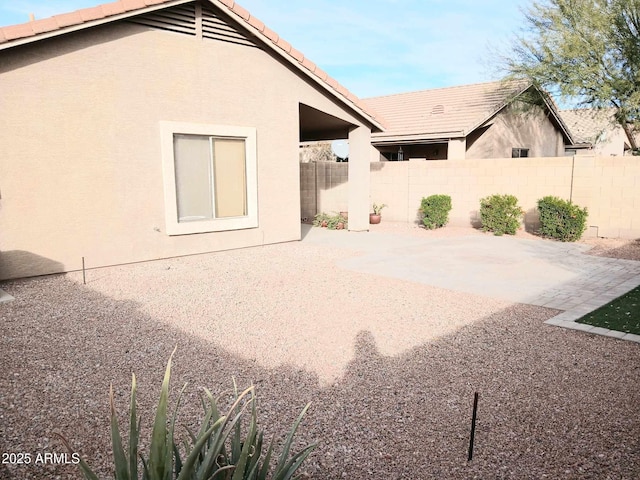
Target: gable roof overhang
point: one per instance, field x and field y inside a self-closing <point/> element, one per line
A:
<point x="557" y="118"/>
<point x="38" y="30"/>
<point x="462" y="110"/>
<point x="550" y="105"/>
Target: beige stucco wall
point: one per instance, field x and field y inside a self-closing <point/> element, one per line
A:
<point x="608" y="187"/>
<point x="516" y="127"/>
<point x="612" y="142"/>
<point x="81" y="172"/>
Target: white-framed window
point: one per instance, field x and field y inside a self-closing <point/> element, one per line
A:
<point x="210" y="177"/>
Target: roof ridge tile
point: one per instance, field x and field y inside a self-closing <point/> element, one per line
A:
<point x="425" y="90"/>
<point x="283" y="44"/>
<point x="91" y="13"/>
<point x="14" y="32"/>
<point x="65" y="19"/>
<point x="241" y="11"/>
<point x="257" y="23"/>
<point x="134" y="4"/>
<point x="45" y="25"/>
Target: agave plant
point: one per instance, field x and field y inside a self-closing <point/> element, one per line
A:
<point x="219" y="450"/>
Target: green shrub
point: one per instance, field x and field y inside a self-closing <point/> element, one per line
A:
<point x="435" y="211"/>
<point x="500" y="214"/>
<point x="218" y="450"/>
<point x="561" y="219"/>
<point x="332" y="222"/>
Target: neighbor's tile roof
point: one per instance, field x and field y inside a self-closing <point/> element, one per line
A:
<point x="443" y="112"/>
<point x="587" y="124"/>
<point x="89" y="16"/>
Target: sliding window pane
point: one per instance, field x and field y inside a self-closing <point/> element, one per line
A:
<point x="230" y="178"/>
<point x="193" y="177"/>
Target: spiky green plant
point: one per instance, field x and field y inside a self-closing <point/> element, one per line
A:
<point x="220" y="450"/>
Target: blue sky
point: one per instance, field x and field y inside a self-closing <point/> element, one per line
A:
<point x="372" y="47"/>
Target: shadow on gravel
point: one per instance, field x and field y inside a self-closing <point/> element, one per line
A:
<point x="552" y="402"/>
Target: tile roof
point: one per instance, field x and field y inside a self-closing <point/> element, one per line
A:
<point x="588" y="124"/>
<point x="87" y="17"/>
<point x="443" y="112"/>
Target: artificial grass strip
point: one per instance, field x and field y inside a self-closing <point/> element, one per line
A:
<point x="621" y="314"/>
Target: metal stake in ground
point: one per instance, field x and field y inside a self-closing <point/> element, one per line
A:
<point x="473" y="426"/>
<point x="84" y="279"/>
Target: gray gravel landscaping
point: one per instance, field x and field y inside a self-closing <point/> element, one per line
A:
<point x="390" y="367"/>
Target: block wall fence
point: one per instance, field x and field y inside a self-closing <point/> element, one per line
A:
<point x="608" y="186"/>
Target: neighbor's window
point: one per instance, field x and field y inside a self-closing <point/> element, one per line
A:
<point x="209" y="177"/>
<point x="519" y="152"/>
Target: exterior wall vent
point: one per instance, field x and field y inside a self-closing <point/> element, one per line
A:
<point x="185" y="19"/>
<point x="437" y="110"/>
<point x="181" y="19"/>
<point x="216" y="28"/>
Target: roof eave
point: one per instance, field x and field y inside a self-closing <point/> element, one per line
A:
<point x="558" y="118"/>
<point x="88" y="24"/>
<point x="580" y="145"/>
<point x="438" y="137"/>
<point x="501" y="107"/>
<point x="301" y="63"/>
<point x="254" y="27"/>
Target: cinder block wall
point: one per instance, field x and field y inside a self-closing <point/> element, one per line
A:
<point x="324" y="188"/>
<point x="307" y="191"/>
<point x="403" y="185"/>
<point x="608" y="186"/>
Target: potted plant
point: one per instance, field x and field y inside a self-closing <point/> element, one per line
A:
<point x="375" y="217"/>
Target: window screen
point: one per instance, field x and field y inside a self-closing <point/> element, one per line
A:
<point x="210" y="175"/>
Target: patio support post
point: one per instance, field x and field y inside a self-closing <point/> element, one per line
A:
<point x="359" y="178"/>
<point x="457" y="149"/>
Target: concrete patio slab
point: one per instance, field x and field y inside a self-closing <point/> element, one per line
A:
<point x="532" y="271"/>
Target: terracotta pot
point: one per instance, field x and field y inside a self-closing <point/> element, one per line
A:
<point x="340" y="226"/>
<point x="374" y="219"/>
<point x="324" y="223"/>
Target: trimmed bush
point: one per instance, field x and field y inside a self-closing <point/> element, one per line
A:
<point x="435" y="211"/>
<point x="500" y="214"/>
<point x="561" y="219"/>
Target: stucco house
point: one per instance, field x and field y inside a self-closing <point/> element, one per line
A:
<point x="595" y="132"/>
<point x="485" y="120"/>
<point x="146" y="129"/>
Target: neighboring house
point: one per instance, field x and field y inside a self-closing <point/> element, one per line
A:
<point x="595" y="132"/>
<point x="146" y="129"/>
<point x="486" y="120"/>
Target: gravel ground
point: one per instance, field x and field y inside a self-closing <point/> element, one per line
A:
<point x="614" y="248"/>
<point x="390" y="366"/>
